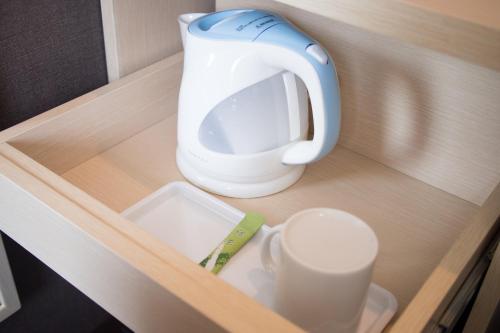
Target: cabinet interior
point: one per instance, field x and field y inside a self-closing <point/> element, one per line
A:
<point x="118" y="145"/>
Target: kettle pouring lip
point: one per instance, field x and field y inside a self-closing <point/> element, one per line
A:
<point x="184" y="20"/>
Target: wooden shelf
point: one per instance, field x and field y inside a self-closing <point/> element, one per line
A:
<point x="467" y="29"/>
<point x="427" y="114"/>
<point x="416" y="223"/>
<point x="65" y="175"/>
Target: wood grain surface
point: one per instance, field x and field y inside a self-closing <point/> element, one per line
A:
<point x="416" y="223"/>
<point x="429" y="115"/>
<point x="429" y="238"/>
<point x="88" y="124"/>
<point x="140" y="33"/>
<point x="466" y="29"/>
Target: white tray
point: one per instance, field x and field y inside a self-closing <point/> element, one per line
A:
<point x="194" y="223"/>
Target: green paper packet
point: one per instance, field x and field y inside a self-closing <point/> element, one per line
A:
<point x="238" y="237"/>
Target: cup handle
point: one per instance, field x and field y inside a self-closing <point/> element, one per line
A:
<point x="265" y="253"/>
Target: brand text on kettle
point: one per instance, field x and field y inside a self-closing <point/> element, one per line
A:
<point x="243" y="26"/>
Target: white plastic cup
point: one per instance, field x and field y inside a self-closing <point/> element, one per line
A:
<point x="325" y="269"/>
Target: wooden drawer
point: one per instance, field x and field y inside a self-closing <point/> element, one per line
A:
<point x="67" y="174"/>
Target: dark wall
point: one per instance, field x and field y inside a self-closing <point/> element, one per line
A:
<point x="51" y="51"/>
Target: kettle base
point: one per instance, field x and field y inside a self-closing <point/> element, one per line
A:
<point x="238" y="190"/>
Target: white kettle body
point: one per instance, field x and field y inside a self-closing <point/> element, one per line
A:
<point x="242" y="120"/>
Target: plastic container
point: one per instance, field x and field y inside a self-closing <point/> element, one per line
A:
<point x="194" y="223"/>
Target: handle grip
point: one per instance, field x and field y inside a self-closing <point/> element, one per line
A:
<point x="286" y="48"/>
<point x="265" y="254"/>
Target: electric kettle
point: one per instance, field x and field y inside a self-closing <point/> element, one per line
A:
<point x="243" y="109"/>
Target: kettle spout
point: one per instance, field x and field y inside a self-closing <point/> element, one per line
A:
<point x="184" y="21"/>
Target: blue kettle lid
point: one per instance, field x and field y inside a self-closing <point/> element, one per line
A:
<point x="235" y="24"/>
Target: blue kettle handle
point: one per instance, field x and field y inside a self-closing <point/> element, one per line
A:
<point x="292" y="50"/>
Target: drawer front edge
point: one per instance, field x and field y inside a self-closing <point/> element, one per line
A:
<point x="112" y="282"/>
<point x="435" y="296"/>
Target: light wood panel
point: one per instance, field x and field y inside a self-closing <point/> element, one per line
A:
<point x="466" y="29"/>
<point x="89" y="123"/>
<point x="416" y="223"/>
<point x="85" y="261"/>
<point x="140" y="33"/>
<point x="143" y="282"/>
<point x="433" y="297"/>
<point x="428" y="115"/>
<point x="110" y="39"/>
<point x="480" y="12"/>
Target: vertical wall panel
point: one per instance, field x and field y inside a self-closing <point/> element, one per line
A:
<point x="139" y="33"/>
